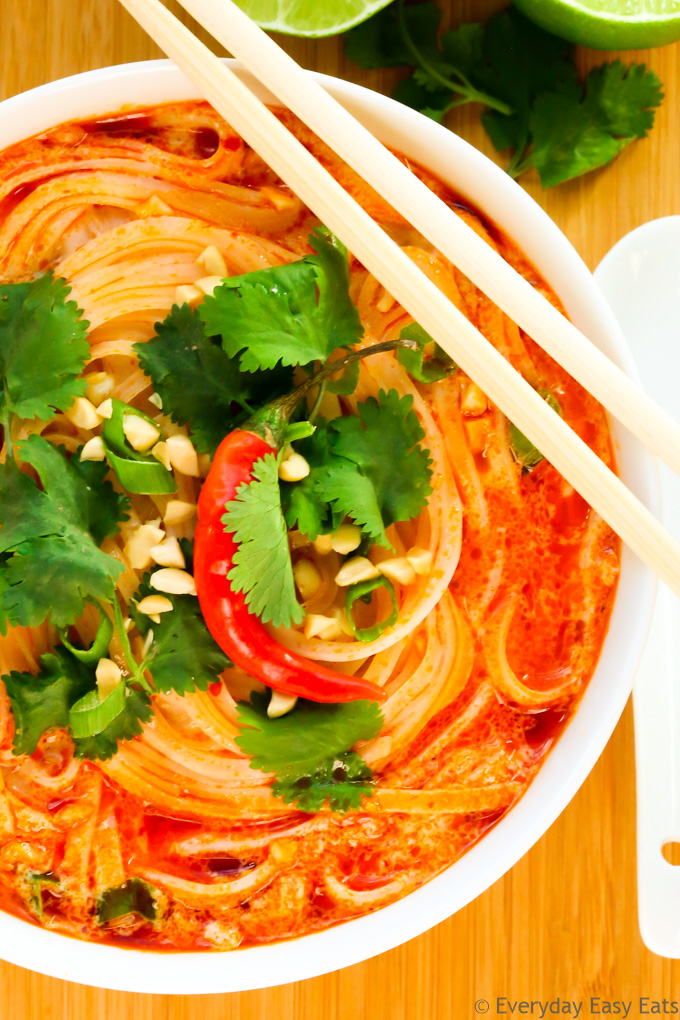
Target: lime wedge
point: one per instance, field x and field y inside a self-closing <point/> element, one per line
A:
<point x="608" y="24"/>
<point x="310" y="17"/>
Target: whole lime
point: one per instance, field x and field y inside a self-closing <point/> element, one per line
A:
<point x="608" y="24"/>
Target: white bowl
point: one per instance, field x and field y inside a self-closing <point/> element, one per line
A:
<point x="487" y="187"/>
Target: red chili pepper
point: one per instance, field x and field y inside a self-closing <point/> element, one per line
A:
<point x="237" y="631"/>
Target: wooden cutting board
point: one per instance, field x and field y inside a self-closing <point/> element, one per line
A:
<point x="562" y="925"/>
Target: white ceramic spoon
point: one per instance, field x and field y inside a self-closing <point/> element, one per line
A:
<point x="640" y="278"/>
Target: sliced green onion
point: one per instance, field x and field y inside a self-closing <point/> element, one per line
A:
<point x="420" y="368"/>
<point x="147" y="477"/>
<point x="35" y="881"/>
<point x="136" y="472"/>
<point x="132" y="897"/>
<point x="99" y="647"/>
<point x="522" y="449"/>
<point x="363" y="590"/>
<point x="90" y="716"/>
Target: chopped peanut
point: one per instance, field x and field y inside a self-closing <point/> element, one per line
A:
<point x="208" y="284"/>
<point x="105" y="409"/>
<point x="94" y="449"/>
<point x="140" y="543"/>
<point x="108" y="676"/>
<point x="420" y="559"/>
<point x="477" y="434"/>
<point x="178" y="512"/>
<point x="398" y="569"/>
<point x="293" y="468"/>
<point x="161" y="453"/>
<point x="140" y="433"/>
<point x="157" y="401"/>
<point x="99" y="386"/>
<point x="168" y="554"/>
<point x="474" y="401"/>
<point x="182" y="455"/>
<point x="359" y="568"/>
<point x="154" y="604"/>
<point x="323" y="544"/>
<point x="187" y="294"/>
<point x="280" y="704"/>
<point x="212" y="260"/>
<point x="346" y="539"/>
<point x="83" y="414"/>
<point x="173" y="581"/>
<point x="307" y="579"/>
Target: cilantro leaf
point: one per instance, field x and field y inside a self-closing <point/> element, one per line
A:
<point x="408" y="35"/>
<point x="125" y="726"/>
<point x="352" y="472"/>
<point x="54" y="535"/>
<point x="184" y="656"/>
<point x="351" y="494"/>
<point x="574" y="131"/>
<point x="199" y="383"/>
<point x="293" y="314"/>
<point x="42" y="348"/>
<point x="262" y="565"/>
<point x="518" y="61"/>
<point x="303" y="505"/>
<point x="42" y="702"/>
<point x="309" y="750"/>
<point x="385" y="435"/>
<point x="343" y="782"/>
<point x="525" y="76"/>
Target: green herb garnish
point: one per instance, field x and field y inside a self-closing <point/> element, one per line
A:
<point x="54" y="535"/>
<point x="43" y="349"/>
<point x="132" y="897"/>
<point x="430" y="362"/>
<point x="522" y="449"/>
<point x="199" y="384"/>
<point x="526" y="77"/>
<point x="362" y="591"/>
<point x="183" y="656"/>
<point x="309" y="750"/>
<point x="262" y="565"/>
<point x="292" y="315"/>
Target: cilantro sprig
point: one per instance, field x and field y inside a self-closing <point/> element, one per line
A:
<point x="293" y="314"/>
<point x="262" y="565"/>
<point x="43" y="702"/>
<point x="536" y="104"/>
<point x="370" y="467"/>
<point x="43" y="349"/>
<point x="309" y="750"/>
<point x="182" y="656"/>
<point x="53" y="534"/>
<point x="199" y="383"/>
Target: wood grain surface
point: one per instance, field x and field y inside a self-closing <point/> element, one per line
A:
<point x="563" y="923"/>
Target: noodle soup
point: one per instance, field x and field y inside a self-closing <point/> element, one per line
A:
<point x="503" y="582"/>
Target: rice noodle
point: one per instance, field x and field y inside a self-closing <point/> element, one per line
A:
<point x="124" y="213"/>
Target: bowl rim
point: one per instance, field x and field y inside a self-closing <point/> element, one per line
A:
<point x="107" y="90"/>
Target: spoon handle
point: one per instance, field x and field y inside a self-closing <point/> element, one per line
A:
<point x="656" y="697"/>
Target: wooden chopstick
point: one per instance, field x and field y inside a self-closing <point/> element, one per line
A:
<point x="231" y="97"/>
<point x="447" y="231"/>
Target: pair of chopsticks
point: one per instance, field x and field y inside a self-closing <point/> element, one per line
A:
<point x="231" y="97"/>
